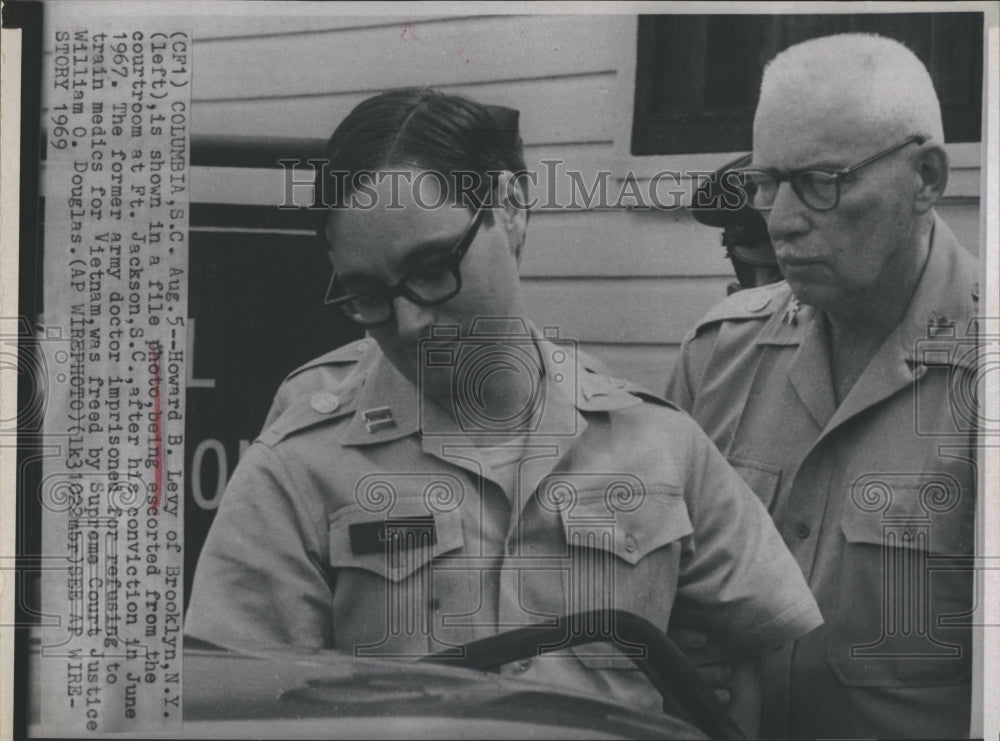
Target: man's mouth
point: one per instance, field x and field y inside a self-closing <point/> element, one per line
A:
<point x="795" y="262"/>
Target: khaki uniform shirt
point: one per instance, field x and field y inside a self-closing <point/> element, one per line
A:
<point x="362" y="520"/>
<point x="875" y="498"/>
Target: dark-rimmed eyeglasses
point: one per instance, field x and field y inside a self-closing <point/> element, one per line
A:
<point x="817" y="187"/>
<point x="428" y="285"/>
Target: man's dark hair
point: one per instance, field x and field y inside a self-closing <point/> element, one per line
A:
<point x="423" y="129"/>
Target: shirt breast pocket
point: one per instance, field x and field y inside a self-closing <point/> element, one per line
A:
<point x="390" y="592"/>
<point x="904" y="605"/>
<point x="392" y="546"/>
<point x="622" y="556"/>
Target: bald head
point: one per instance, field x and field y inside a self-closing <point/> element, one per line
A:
<point x="843" y="103"/>
<point x="883" y="85"/>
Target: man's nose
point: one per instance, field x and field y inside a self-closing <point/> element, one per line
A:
<point x="412" y="319"/>
<point x="788" y="216"/>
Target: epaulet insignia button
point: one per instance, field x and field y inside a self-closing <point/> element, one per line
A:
<point x="324" y="403"/>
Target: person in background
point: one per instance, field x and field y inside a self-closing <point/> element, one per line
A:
<point x="462" y="471"/>
<point x="842" y="394"/>
<point x="720" y="201"/>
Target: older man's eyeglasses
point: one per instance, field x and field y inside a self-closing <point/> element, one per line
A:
<point x="817" y="187"/>
<point x="428" y="285"/>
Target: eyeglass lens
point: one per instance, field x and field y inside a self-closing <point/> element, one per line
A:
<point x="817" y="189"/>
<point x="431" y="285"/>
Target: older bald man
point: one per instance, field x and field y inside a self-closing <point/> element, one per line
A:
<point x="837" y="394"/>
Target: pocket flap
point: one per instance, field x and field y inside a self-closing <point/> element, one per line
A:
<point x="396" y="545"/>
<point x="928" y="512"/>
<point x="658" y="517"/>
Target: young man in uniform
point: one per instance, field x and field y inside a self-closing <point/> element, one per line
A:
<point x="462" y="472"/>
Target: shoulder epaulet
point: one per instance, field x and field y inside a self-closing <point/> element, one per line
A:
<point x="599" y="392"/>
<point x="352" y="352"/>
<point x="646" y="395"/>
<point x="750" y="303"/>
<point x="312" y="408"/>
<point x="327" y="373"/>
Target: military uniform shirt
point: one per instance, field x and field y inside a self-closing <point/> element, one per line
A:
<point x="362" y="520"/>
<point x="875" y="498"/>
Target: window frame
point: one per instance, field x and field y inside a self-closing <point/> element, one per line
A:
<point x="966" y="158"/>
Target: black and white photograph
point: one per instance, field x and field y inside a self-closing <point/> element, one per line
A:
<point x="499" y="370"/>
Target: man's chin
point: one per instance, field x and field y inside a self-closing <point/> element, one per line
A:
<point x="812" y="294"/>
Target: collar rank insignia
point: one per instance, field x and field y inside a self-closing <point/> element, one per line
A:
<point x="791" y="315"/>
<point x="939" y="325"/>
<point x="379" y="418"/>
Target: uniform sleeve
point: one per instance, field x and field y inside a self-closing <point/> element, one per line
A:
<point x="282" y="400"/>
<point x="679" y="389"/>
<point x="738" y="580"/>
<point x="260" y="580"/>
<point x="684" y="384"/>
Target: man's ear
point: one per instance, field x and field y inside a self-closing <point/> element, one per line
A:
<point x="931" y="163"/>
<point x="513" y="213"/>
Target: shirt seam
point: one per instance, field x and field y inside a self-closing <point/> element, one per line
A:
<point x="794" y="621"/>
<point x="300" y="503"/>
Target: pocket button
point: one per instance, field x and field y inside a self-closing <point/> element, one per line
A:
<point x="802" y="530"/>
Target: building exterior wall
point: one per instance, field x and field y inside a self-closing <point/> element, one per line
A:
<point x="626" y="284"/>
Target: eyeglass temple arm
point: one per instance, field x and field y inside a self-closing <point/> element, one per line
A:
<point x="875" y="157"/>
<point x="328" y="293"/>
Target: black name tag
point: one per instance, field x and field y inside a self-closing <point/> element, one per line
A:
<point x="398" y="533"/>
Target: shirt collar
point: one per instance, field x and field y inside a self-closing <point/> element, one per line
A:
<point x="389" y="406"/>
<point x="943" y="303"/>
